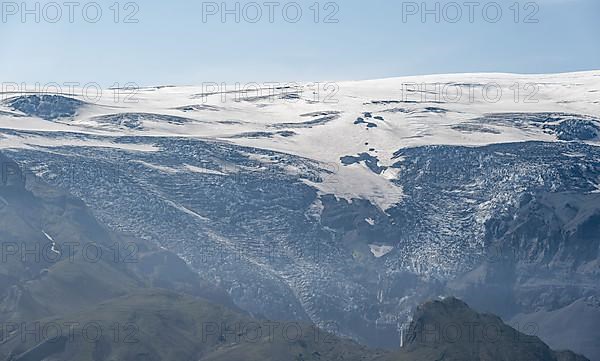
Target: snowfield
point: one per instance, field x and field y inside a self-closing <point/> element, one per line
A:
<point x="327" y="121"/>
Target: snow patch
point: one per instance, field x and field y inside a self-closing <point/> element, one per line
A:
<point x="156" y="167"/>
<point x="201" y="170"/>
<point x="380" y="251"/>
<point x="53" y="246"/>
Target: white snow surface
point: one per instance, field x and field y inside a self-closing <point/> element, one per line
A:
<point x="380" y="251"/>
<point x="239" y="117"/>
<point x="53" y="243"/>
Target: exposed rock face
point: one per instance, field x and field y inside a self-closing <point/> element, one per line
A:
<point x="137" y="120"/>
<point x="46" y="106"/>
<point x="10" y="173"/>
<point x="567" y="127"/>
<point x="450" y="330"/>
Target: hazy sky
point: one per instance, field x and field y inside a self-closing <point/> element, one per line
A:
<point x="186" y="42"/>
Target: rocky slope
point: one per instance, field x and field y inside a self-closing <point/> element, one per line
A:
<point x="450" y="330"/>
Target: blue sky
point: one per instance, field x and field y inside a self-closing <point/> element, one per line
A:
<point x="171" y="43"/>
